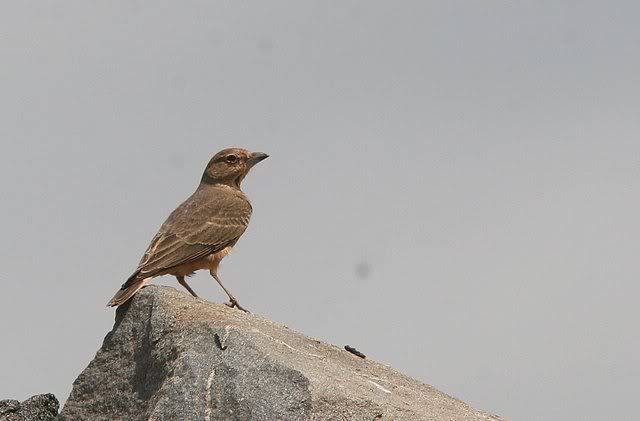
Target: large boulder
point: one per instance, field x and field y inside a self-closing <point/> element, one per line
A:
<point x="174" y="357"/>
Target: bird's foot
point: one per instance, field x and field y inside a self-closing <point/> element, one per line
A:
<point x="234" y="303"/>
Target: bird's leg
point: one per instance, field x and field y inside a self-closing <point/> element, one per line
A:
<point x="184" y="283"/>
<point x="232" y="300"/>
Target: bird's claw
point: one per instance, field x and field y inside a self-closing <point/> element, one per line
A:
<point x="233" y="303"/>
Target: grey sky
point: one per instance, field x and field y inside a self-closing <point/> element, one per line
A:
<point x="481" y="161"/>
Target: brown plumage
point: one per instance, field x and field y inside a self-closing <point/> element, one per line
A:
<point x="202" y="230"/>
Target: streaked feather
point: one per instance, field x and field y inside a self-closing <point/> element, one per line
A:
<point x="212" y="219"/>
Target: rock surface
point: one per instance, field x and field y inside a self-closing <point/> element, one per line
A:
<point x="171" y="356"/>
<point x="36" y="408"/>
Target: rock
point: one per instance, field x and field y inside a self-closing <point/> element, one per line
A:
<point x="171" y="356"/>
<point x="36" y="408"/>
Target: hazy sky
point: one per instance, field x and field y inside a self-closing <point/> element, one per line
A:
<point x="453" y="188"/>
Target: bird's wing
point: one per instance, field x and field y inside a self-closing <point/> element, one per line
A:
<point x="194" y="230"/>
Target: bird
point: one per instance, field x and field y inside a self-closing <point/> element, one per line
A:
<point x="201" y="231"/>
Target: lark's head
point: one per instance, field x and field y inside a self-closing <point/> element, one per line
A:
<point x="230" y="166"/>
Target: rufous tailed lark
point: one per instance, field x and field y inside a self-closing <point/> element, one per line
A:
<point x="202" y="230"/>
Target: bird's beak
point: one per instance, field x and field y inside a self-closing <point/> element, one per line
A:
<point x="256" y="157"/>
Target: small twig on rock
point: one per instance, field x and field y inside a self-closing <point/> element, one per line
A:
<point x="354" y="351"/>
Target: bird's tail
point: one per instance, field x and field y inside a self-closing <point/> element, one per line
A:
<point x="128" y="289"/>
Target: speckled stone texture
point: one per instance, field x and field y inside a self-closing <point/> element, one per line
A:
<point x="171" y="356"/>
<point x="36" y="408"/>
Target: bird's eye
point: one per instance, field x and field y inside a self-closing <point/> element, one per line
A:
<point x="232" y="158"/>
